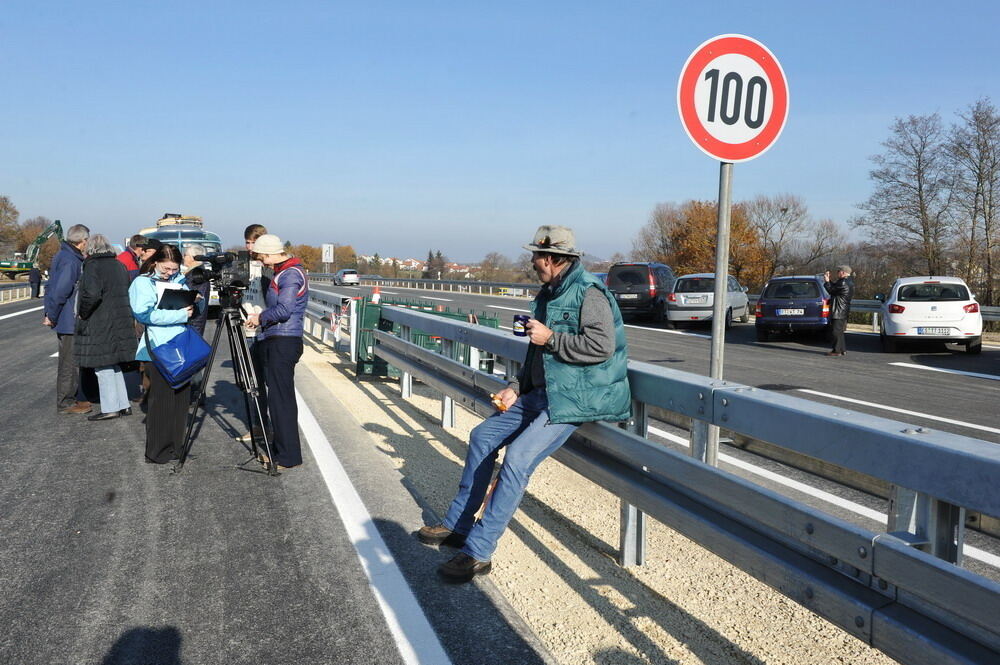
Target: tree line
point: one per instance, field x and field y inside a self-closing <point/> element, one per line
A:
<point x="17" y="235"/>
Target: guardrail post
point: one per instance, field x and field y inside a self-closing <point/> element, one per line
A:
<point x="447" y="404"/>
<point x="927" y="523"/>
<point x="353" y="327"/>
<point x="875" y="327"/>
<point x="405" y="379"/>
<point x="632" y="534"/>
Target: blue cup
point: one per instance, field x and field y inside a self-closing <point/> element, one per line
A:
<point x="520" y="325"/>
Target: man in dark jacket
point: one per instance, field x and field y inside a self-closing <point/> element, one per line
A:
<point x="35" y="279"/>
<point x="841" y="292"/>
<point x="60" y="315"/>
<point x="575" y="371"/>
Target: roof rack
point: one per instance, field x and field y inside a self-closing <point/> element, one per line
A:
<point x="173" y="218"/>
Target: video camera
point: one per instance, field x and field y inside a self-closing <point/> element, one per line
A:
<point x="229" y="273"/>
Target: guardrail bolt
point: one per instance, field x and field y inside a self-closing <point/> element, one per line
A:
<point x="882" y="584"/>
<point x="724" y="417"/>
<point x="701" y="409"/>
<point x="810" y="528"/>
<point x="725" y="402"/>
<point x="859" y="622"/>
<point x="701" y="395"/>
<point x="862" y="552"/>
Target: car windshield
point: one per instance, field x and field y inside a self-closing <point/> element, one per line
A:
<point x="695" y="285"/>
<point x="787" y="289"/>
<point x="933" y="292"/>
<point x="349" y="272"/>
<point x="628" y="276"/>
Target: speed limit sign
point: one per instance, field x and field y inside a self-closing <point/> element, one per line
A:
<point x="733" y="98"/>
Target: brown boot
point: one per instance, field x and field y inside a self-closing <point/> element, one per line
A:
<point x="438" y="534"/>
<point x="79" y="407"/>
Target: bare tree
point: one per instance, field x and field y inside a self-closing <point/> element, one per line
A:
<point x="8" y="222"/>
<point x="495" y="267"/>
<point x="816" y="250"/>
<point x="910" y="206"/>
<point x="975" y="150"/>
<point x="652" y="243"/>
<point x="781" y="223"/>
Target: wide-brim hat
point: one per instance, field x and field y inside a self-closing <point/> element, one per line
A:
<point x="554" y="240"/>
<point x="150" y="243"/>
<point x="268" y="244"/>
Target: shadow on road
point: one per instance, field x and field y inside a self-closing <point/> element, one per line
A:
<point x="146" y="646"/>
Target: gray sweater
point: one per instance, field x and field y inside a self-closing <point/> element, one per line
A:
<point x="594" y="344"/>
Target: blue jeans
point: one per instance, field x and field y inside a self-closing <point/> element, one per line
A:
<point x="530" y="438"/>
<point x="111" y="384"/>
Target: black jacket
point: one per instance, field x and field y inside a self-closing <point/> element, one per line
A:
<point x="841" y="292"/>
<point x="105" y="330"/>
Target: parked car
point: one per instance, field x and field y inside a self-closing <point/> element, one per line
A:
<point x="641" y="288"/>
<point x="940" y="309"/>
<point x="694" y="296"/>
<point x="792" y="304"/>
<point x="346" y="276"/>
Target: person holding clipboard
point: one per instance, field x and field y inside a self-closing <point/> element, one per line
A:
<point x="161" y="301"/>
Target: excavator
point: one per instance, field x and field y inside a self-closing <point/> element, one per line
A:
<point x="18" y="267"/>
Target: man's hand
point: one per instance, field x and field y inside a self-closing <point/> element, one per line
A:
<point x="507" y="397"/>
<point x="253" y="321"/>
<point x="47" y="322"/>
<point x="826" y="276"/>
<point x="538" y="332"/>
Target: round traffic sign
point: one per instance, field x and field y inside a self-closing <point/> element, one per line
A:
<point x="733" y="98"/>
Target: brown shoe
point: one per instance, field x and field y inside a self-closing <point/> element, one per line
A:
<point x="462" y="568"/>
<point x="833" y="353"/>
<point x="79" y="407"/>
<point x="438" y="534"/>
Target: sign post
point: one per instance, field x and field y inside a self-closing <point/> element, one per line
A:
<point x="732" y="97"/>
<point x="329" y="256"/>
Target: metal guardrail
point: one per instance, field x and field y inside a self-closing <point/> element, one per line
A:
<point x="16" y="291"/>
<point x="896" y="590"/>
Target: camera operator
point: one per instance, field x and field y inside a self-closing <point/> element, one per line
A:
<point x="253" y="299"/>
<point x="203" y="287"/>
<point x="279" y="345"/>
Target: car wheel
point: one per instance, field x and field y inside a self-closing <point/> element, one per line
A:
<point x="745" y="318"/>
<point x="660" y="313"/>
<point x="729" y="318"/>
<point x="889" y="345"/>
<point x="974" y="346"/>
<point x="763" y="335"/>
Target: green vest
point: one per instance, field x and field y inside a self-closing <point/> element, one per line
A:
<point x="584" y="393"/>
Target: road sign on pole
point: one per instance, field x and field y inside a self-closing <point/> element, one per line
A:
<point x="732" y="97"/>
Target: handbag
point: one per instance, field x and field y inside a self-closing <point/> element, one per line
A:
<point x="181" y="357"/>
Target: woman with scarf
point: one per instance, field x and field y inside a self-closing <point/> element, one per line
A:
<point x="279" y="345"/>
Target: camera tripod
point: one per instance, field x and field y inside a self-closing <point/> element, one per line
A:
<point x="231" y="319"/>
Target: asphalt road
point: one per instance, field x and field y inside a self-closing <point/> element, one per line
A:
<point x="106" y="559"/>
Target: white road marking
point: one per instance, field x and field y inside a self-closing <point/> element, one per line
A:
<point x="864" y="511"/>
<point x="960" y="423"/>
<point x="509" y="309"/>
<point x="431" y="298"/>
<point x="992" y="377"/>
<point x="33" y="309"/>
<point x="54" y="355"/>
<point x="669" y="331"/>
<point x="415" y="638"/>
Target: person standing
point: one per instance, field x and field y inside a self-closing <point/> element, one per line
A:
<point x="60" y="315"/>
<point x="167" y="407"/>
<point x="105" y="334"/>
<point x="35" y="279"/>
<point x="841" y="292"/>
<point x="575" y="371"/>
<point x="134" y="255"/>
<point x="279" y="345"/>
<point x="204" y="287"/>
<point x="253" y="301"/>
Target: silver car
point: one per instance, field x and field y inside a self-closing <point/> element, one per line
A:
<point x="345" y="277"/>
<point x="694" y="296"/>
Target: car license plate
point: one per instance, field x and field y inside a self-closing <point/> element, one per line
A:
<point x="933" y="331"/>
<point x="695" y="299"/>
<point x="791" y="312"/>
<point x="628" y="296"/>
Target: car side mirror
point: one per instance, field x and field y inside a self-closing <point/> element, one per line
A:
<point x="880" y="297"/>
<point x="744" y="289"/>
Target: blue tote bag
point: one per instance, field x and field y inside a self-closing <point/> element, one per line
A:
<point x="181" y="357"/>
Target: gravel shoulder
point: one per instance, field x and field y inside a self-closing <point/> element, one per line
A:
<point x="556" y="564"/>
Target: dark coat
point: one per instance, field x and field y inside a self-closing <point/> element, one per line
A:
<point x="841" y="293"/>
<point x="105" y="331"/>
<point x="60" y="294"/>
<point x="35" y="276"/>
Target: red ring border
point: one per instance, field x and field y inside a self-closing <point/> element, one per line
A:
<point x="713" y="48"/>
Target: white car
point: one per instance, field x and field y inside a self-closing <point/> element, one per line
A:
<point x="693" y="297"/>
<point x="940" y="309"/>
<point x="346" y="276"/>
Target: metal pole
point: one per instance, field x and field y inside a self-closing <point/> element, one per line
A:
<point x="719" y="306"/>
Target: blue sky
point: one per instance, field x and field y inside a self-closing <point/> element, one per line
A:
<point x="402" y="126"/>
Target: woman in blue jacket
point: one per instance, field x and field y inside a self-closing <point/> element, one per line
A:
<point x="279" y="344"/>
<point x="167" y="407"/>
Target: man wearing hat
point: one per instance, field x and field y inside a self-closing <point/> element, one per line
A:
<point x="841" y="292"/>
<point x="139" y="249"/>
<point x="575" y="371"/>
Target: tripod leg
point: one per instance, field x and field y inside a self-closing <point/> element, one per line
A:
<point x="193" y="409"/>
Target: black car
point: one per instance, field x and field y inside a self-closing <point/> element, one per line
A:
<point x="793" y="304"/>
<point x="641" y="288"/>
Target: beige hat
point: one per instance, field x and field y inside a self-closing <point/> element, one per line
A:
<point x="269" y="244"/>
<point x="554" y="240"/>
